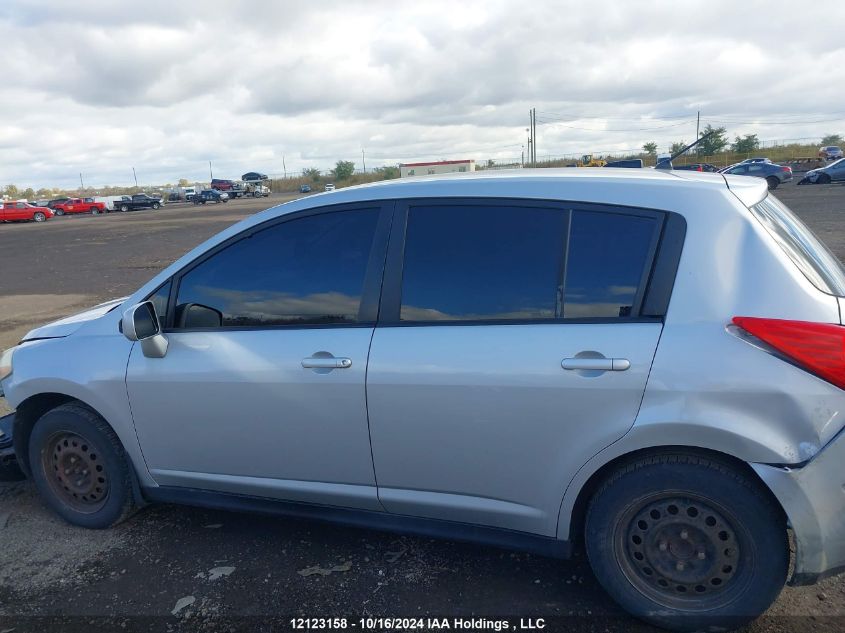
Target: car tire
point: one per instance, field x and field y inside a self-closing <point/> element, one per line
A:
<point x="58" y="212"/>
<point x="773" y="182"/>
<point x="124" y="207"/>
<point x="80" y="468"/>
<point x="95" y="211"/>
<point x="156" y="206"/>
<point x="39" y="216"/>
<point x="687" y="542"/>
<point x="823" y="179"/>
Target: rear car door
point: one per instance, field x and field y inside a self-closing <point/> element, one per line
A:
<point x="262" y="390"/>
<point x="514" y="342"/>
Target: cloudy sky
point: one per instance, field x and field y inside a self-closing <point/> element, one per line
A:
<point x="100" y="86"/>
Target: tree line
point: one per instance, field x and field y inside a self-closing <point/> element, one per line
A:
<point x="718" y="141"/>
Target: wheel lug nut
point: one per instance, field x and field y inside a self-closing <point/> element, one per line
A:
<point x="663" y="546"/>
<point x="701" y="554"/>
<point x="680" y="565"/>
<point x="684" y="535"/>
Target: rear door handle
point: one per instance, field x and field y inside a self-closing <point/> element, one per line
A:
<point x="315" y="362"/>
<point x="596" y="364"/>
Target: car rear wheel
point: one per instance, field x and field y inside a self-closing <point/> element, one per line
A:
<point x="39" y="216"/>
<point x="124" y="207"/>
<point x="95" y="211"/>
<point x="773" y="182"/>
<point x="156" y="205"/>
<point x="80" y="467"/>
<point x="687" y="542"/>
<point x="58" y="212"/>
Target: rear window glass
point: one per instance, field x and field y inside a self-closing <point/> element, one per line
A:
<point x="806" y="251"/>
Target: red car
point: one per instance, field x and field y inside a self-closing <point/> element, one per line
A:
<point x="79" y="205"/>
<point x="13" y="211"/>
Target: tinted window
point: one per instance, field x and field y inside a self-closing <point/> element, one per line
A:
<point x="806" y="251"/>
<point x="308" y="270"/>
<point x="608" y="253"/>
<point x="159" y="299"/>
<point x="480" y="262"/>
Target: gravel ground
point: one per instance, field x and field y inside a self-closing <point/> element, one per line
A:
<point x="226" y="571"/>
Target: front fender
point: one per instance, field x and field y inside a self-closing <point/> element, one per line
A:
<point x="91" y="369"/>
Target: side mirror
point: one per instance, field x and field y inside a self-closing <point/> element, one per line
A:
<point x="140" y="323"/>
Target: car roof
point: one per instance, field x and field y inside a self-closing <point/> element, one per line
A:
<point x="587" y="184"/>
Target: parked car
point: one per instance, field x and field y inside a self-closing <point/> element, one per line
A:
<point x="210" y="195"/>
<point x="138" y="201"/>
<point x="697" y="167"/>
<point x="329" y="187"/>
<point x="254" y="176"/>
<point x="52" y="203"/>
<point x="831" y="152"/>
<point x="556" y="361"/>
<point x="304" y="188"/>
<point x="755" y="160"/>
<point x="23" y="211"/>
<point x="79" y="205"/>
<point x="774" y="175"/>
<point x="833" y="172"/>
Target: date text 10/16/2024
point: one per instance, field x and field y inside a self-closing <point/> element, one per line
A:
<point x="418" y="624"/>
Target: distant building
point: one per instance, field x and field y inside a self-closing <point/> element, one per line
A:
<point x="439" y="167"/>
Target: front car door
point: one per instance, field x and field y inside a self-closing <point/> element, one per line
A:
<point x="262" y="390"/>
<point x="514" y="343"/>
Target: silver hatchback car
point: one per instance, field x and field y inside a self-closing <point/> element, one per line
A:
<point x="643" y="365"/>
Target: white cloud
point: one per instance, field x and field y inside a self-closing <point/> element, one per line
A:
<point x="99" y="87"/>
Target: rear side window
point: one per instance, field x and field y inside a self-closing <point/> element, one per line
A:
<point x="608" y="253"/>
<point x="304" y="271"/>
<point x="805" y="250"/>
<point x="482" y="263"/>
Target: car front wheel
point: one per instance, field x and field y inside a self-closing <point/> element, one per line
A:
<point x="772" y="182"/>
<point x="39" y="216"/>
<point x="687" y="542"/>
<point x="80" y="467"/>
<point x="156" y="205"/>
<point x="124" y="207"/>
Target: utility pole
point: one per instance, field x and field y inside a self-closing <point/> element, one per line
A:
<point x="135" y="176"/>
<point x="284" y="167"/>
<point x="522" y="157"/>
<point x="81" y="184"/>
<point x="210" y="173"/>
<point x="363" y="160"/>
<point x="697" y="123"/>
<point x="534" y="135"/>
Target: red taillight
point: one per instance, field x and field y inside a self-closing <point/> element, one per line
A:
<point x="817" y="347"/>
<point x="786" y="168"/>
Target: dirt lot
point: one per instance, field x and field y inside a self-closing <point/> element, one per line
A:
<point x="235" y="571"/>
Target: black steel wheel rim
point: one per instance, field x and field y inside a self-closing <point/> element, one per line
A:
<point x="75" y="471"/>
<point x="684" y="552"/>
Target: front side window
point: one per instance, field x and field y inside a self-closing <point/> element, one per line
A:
<point x="304" y="271"/>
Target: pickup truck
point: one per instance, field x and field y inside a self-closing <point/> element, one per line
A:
<point x="138" y="201"/>
<point x="79" y="205"/>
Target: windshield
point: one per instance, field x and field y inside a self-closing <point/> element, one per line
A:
<point x="799" y="243"/>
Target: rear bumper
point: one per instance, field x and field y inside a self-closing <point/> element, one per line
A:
<point x="813" y="498"/>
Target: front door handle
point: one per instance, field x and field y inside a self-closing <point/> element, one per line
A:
<point x="317" y="362"/>
<point x="596" y="364"/>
